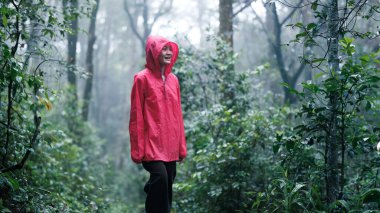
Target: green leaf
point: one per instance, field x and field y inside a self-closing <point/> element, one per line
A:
<point x="300" y="35"/>
<point x="314" y="5"/>
<point x="297" y="187"/>
<point x="5" y="21"/>
<point x="318" y="60"/>
<point x="275" y="148"/>
<point x="373" y="79"/>
<point x="13" y="183"/>
<point x="348" y="40"/>
<point x="368" y="106"/>
<point x="341" y="203"/>
<point x="289" y="145"/>
<point x="318" y="75"/>
<point x="365" y="58"/>
<point x="311" y="26"/>
<point x="48" y="32"/>
<point x="371" y="195"/>
<point x="310" y="86"/>
<point x="299" y="24"/>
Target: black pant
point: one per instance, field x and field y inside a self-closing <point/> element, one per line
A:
<point x="159" y="186"/>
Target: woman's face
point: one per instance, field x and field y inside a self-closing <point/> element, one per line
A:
<point x="166" y="55"/>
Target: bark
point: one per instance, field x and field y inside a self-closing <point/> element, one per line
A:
<point x="89" y="62"/>
<point x="332" y="173"/>
<point x="226" y="34"/>
<point x="72" y="39"/>
<point x="306" y="18"/>
<point x="225" y="21"/>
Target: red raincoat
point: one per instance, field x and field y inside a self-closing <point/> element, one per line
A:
<point x="156" y="125"/>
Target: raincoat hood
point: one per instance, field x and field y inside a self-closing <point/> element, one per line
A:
<point x="153" y="48"/>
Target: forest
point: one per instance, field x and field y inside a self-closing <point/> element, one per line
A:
<point x="280" y="101"/>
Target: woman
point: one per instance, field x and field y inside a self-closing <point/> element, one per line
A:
<point x="156" y="125"/>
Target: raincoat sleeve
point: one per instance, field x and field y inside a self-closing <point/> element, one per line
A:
<point x="182" y="143"/>
<point x="136" y="122"/>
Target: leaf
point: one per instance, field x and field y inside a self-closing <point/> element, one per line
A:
<point x="299" y="24"/>
<point x="297" y="187"/>
<point x="373" y="79"/>
<point x="310" y="86"/>
<point x="46" y="102"/>
<point x="300" y="35"/>
<point x="314" y="5"/>
<point x="289" y="145"/>
<point x="47" y="31"/>
<point x="5" y="21"/>
<point x="365" y="58"/>
<point x="371" y="195"/>
<point x="13" y="183"/>
<point x="318" y="60"/>
<point x="368" y="106"/>
<point x="275" y="148"/>
<point x="311" y="26"/>
<point x="318" y="75"/>
<point x="348" y="40"/>
<point x="341" y="203"/>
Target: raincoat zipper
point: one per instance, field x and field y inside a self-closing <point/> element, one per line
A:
<point x="164" y="81"/>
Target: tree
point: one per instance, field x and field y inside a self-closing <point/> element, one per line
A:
<point x="70" y="8"/>
<point x="347" y="83"/>
<point x="332" y="139"/>
<point x="142" y="8"/>
<point x="226" y="21"/>
<point x="13" y="80"/>
<point x="89" y="62"/>
<point x="274" y="30"/>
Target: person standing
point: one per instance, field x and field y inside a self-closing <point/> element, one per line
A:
<point x="156" y="128"/>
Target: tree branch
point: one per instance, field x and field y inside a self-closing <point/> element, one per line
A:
<point x="12" y="128"/>
<point x="162" y="11"/>
<point x="291" y="13"/>
<point x="259" y="20"/>
<point x="247" y="4"/>
<point x="132" y="21"/>
<point x="10" y="86"/>
<point x="21" y="164"/>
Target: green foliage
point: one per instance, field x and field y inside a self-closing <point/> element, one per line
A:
<point x="283" y="196"/>
<point x="356" y="86"/>
<point x="256" y="158"/>
<point x="235" y="161"/>
<point x="208" y="77"/>
<point x="229" y="143"/>
<point x="45" y="167"/>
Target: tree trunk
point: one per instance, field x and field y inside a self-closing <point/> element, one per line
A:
<point x="274" y="39"/>
<point x="89" y="62"/>
<point x="225" y="21"/>
<point x="72" y="39"/>
<point x="332" y="141"/>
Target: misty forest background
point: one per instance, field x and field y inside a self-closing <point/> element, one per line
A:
<point x="280" y="99"/>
